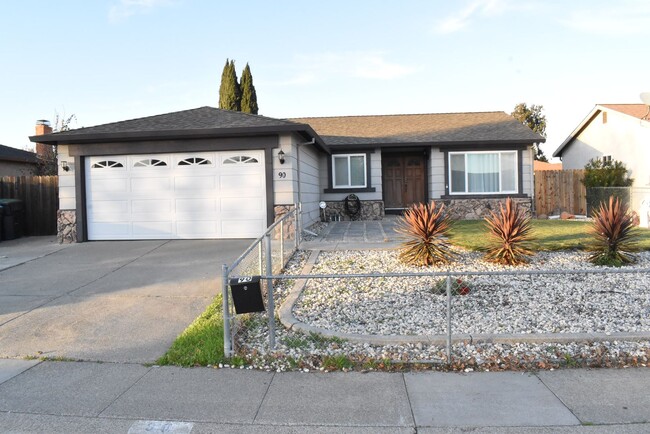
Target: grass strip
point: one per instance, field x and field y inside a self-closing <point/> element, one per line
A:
<point x="201" y="343"/>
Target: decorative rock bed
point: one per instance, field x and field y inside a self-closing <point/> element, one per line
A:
<point x="585" y="302"/>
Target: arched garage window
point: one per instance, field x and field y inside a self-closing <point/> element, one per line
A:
<point x="108" y="164"/>
<point x="240" y="159"/>
<point x="149" y="162"/>
<point x="194" y="161"/>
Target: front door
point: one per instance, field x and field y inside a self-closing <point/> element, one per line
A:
<point x="403" y="180"/>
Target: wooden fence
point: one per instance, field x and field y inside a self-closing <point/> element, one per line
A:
<point x="40" y="195"/>
<point x="560" y="190"/>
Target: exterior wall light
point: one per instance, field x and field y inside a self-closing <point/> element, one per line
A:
<point x="65" y="166"/>
<point x="281" y="156"/>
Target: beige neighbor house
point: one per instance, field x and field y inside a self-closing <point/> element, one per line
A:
<point x="210" y="173"/>
<point x="614" y="131"/>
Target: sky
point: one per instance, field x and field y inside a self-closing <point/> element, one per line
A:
<point x="113" y="60"/>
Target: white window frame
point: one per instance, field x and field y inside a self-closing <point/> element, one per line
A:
<point x="349" y="185"/>
<point x="476" y="193"/>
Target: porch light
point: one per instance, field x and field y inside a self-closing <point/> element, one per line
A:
<point x="281" y="156"/>
<point x="65" y="166"/>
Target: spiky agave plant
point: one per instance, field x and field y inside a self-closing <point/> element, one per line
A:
<point x="510" y="235"/>
<point x="614" y="240"/>
<point x="427" y="227"/>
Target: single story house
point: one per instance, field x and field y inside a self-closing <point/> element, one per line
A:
<point x="613" y="131"/>
<point x="16" y="162"/>
<point x="210" y="173"/>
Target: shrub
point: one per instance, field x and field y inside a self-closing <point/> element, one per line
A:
<point x="428" y="227"/>
<point x="510" y="235"/>
<point x="458" y="287"/>
<point x="606" y="173"/>
<point x="614" y="241"/>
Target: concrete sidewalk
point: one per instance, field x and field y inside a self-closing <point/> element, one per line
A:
<point x="119" y="398"/>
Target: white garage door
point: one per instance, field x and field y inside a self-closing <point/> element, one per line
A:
<point x="166" y="196"/>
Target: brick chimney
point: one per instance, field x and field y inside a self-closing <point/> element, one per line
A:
<point x="42" y="150"/>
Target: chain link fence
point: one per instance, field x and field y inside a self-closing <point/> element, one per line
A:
<point x="268" y="254"/>
<point x="453" y="311"/>
<point x="598" y="195"/>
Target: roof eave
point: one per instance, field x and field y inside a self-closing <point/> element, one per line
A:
<point x="441" y="143"/>
<point x="56" y="138"/>
<point x="577" y="131"/>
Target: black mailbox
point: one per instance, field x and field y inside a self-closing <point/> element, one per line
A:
<point x="247" y="294"/>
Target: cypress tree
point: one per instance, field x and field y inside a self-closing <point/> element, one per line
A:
<point x="229" y="91"/>
<point x="248" y="94"/>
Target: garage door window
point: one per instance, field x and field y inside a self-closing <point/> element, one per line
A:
<point x="195" y="161"/>
<point x="240" y="159"/>
<point x="108" y="164"/>
<point x="149" y="162"/>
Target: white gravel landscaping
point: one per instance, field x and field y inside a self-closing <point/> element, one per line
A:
<point x="586" y="302"/>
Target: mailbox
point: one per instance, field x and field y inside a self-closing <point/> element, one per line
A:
<point x="247" y="294"/>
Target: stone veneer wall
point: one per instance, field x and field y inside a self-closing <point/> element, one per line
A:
<point x="289" y="224"/>
<point x="370" y="210"/>
<point x="66" y="226"/>
<point x="477" y="209"/>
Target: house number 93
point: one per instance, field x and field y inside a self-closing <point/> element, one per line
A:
<point x="282" y="174"/>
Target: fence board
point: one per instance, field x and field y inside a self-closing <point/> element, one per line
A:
<point x="40" y="195"/>
<point x="560" y="190"/>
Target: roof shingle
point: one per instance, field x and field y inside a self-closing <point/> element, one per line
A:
<point x="8" y="153"/>
<point x="436" y="128"/>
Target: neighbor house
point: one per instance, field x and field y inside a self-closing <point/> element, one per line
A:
<point x="15" y="162"/>
<point x="210" y="173"/>
<point x="613" y="131"/>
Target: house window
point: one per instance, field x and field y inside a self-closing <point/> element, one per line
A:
<point x="607" y="158"/>
<point x="349" y="171"/>
<point x="483" y="172"/>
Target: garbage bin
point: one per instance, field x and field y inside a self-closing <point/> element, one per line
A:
<point x="247" y="294"/>
<point x="13" y="218"/>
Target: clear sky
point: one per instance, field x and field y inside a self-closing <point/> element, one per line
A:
<point x="112" y="60"/>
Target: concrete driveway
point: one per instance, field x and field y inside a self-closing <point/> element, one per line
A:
<point x="112" y="301"/>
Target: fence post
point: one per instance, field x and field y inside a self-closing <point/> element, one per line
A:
<point x="296" y="225"/>
<point x="282" y="244"/>
<point x="227" y="337"/>
<point x="269" y="289"/>
<point x="448" y="319"/>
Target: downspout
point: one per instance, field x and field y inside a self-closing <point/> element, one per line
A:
<point x="299" y="213"/>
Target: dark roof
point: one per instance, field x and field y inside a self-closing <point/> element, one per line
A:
<point x="434" y="128"/>
<point x="201" y="122"/>
<point x="12" y="154"/>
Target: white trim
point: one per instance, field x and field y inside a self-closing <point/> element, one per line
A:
<point x="349" y="184"/>
<point x="473" y="193"/>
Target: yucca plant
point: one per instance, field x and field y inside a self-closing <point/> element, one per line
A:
<point x="510" y="235"/>
<point x="614" y="239"/>
<point x="427" y="227"/>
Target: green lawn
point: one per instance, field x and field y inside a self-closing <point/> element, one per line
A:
<point x="549" y="235"/>
<point x="201" y="343"/>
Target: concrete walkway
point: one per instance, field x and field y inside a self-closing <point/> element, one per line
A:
<point x="68" y="397"/>
<point x="349" y="235"/>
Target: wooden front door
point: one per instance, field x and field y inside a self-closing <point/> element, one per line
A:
<point x="403" y="180"/>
